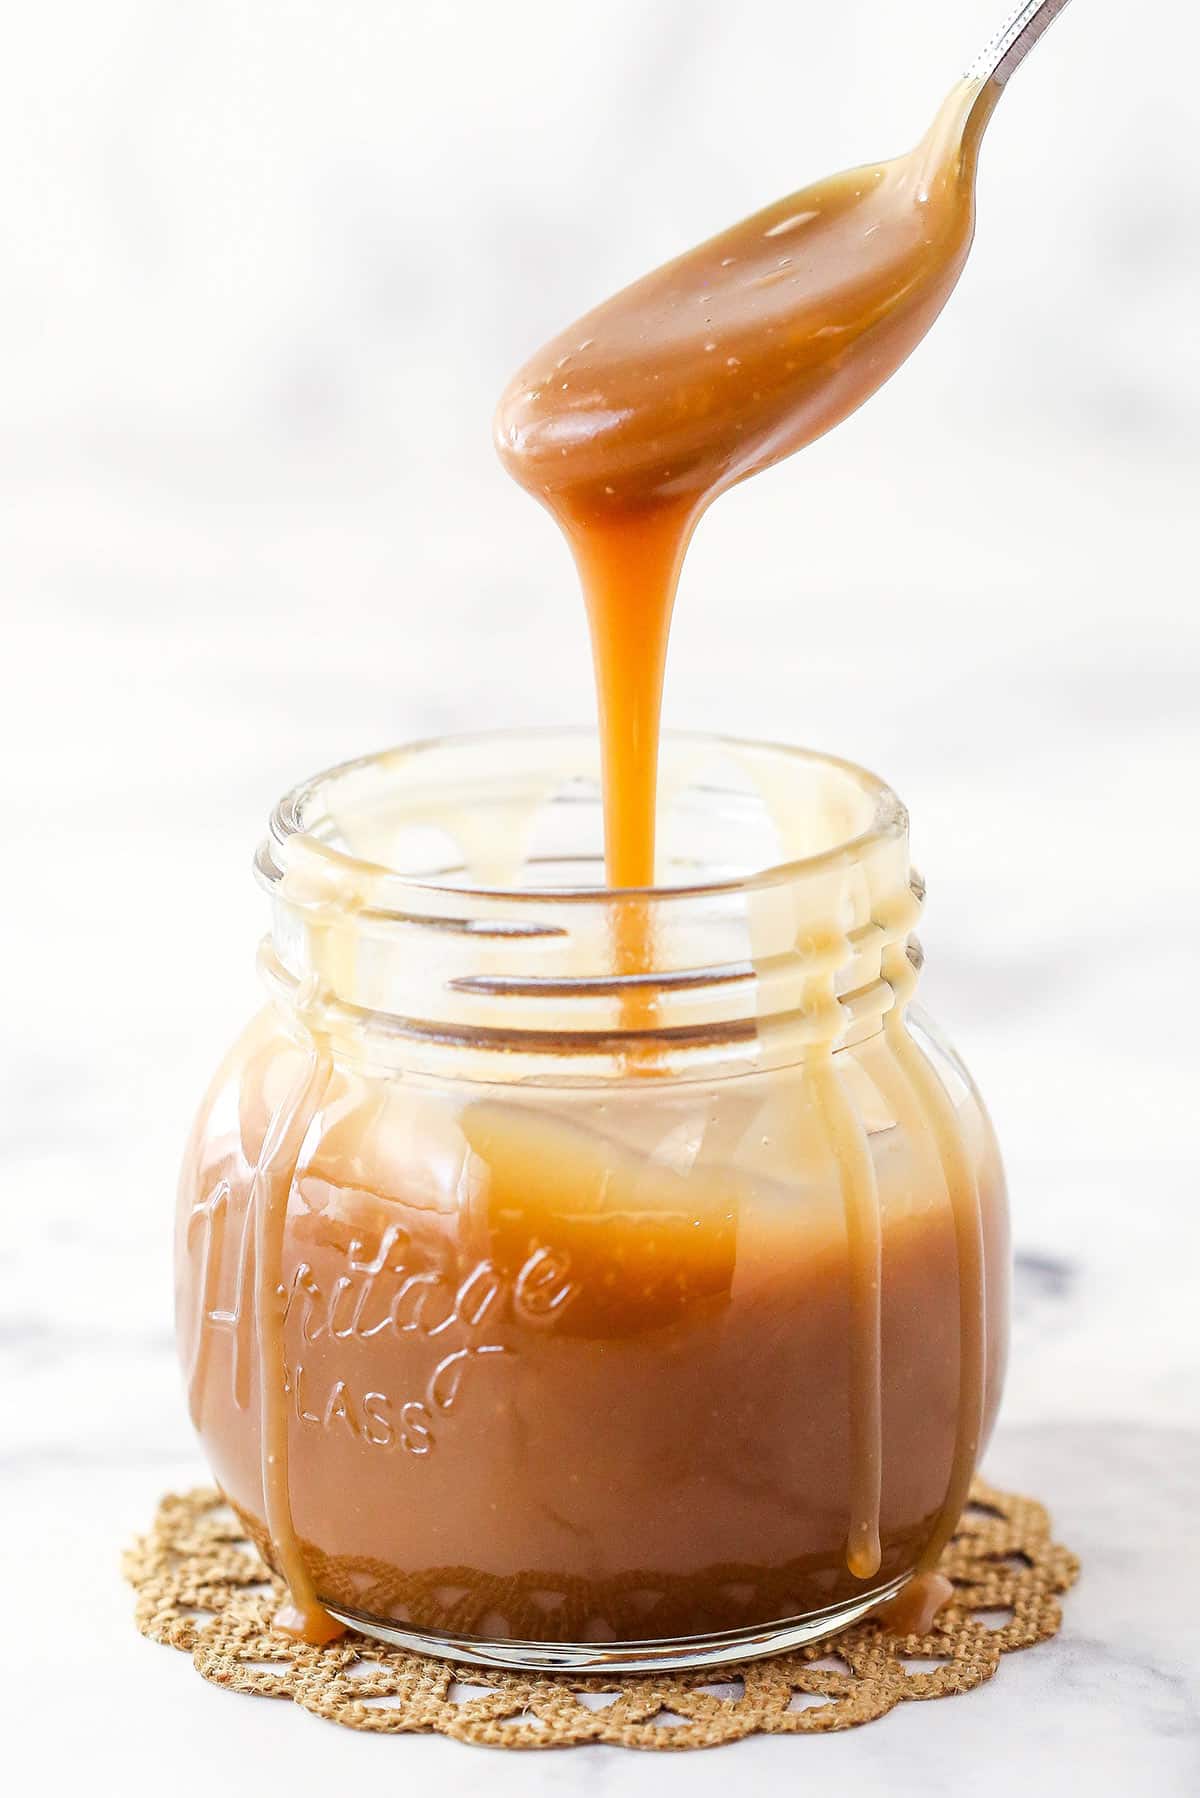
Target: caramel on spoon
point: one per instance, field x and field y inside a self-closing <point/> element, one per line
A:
<point x="629" y="423"/>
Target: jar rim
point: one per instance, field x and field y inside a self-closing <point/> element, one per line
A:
<point x="391" y="918"/>
<point x="294" y="816"/>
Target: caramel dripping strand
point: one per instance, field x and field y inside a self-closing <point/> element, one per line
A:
<point x="962" y="1190"/>
<point x="847" y="1138"/>
<point x="629" y="570"/>
<point x="302" y="1615"/>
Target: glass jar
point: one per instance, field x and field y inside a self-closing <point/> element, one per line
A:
<point x="539" y="1312"/>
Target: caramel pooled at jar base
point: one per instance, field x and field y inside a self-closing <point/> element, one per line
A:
<point x="524" y="1324"/>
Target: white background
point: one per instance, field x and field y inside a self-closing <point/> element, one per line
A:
<point x="267" y="268"/>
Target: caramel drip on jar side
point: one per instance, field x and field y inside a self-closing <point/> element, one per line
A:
<point x="864" y="1243"/>
<point x="302" y="1615"/>
<point x="962" y="1190"/>
<point x="340" y="892"/>
<point x="851" y="1151"/>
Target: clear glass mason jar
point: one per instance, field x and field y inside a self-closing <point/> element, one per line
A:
<point x="541" y="1312"/>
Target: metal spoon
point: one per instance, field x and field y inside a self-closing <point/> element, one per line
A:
<point x="1013" y="42"/>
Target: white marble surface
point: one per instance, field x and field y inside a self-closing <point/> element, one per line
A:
<point x="237" y="278"/>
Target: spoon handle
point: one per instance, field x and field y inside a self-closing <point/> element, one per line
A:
<point x="1013" y="42"/>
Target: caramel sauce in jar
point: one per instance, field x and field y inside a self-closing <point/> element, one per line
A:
<point x="500" y="1350"/>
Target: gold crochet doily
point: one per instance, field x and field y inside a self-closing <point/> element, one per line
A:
<point x="203" y="1588"/>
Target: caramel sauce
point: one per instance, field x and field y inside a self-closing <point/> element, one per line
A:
<point x="627" y="426"/>
<point x="560" y="1391"/>
<point x="630" y="423"/>
<point x="912" y="1611"/>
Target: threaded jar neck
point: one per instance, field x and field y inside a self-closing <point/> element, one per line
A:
<point x="442" y="907"/>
